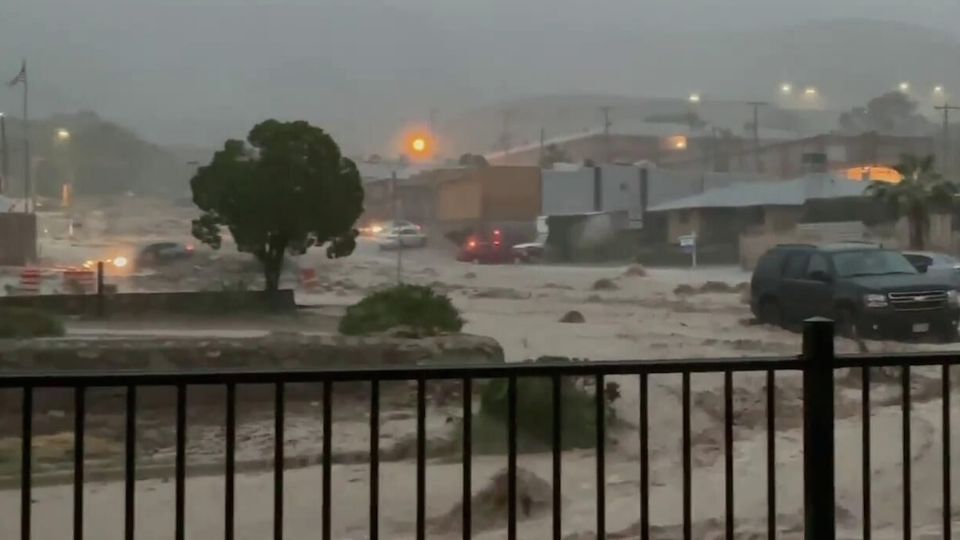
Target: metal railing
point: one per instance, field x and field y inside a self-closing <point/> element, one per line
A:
<point x="817" y="363"/>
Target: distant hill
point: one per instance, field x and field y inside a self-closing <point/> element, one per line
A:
<point x="848" y="62"/>
<point x="364" y="70"/>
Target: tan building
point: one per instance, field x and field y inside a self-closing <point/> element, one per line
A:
<point x="494" y="194"/>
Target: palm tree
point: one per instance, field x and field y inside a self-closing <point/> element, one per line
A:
<point x="921" y="191"/>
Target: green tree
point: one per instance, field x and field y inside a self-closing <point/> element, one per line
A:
<point x="917" y="196"/>
<point x="284" y="190"/>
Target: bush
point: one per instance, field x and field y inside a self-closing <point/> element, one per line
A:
<point x="415" y="307"/>
<point x="28" y="323"/>
<point x="535" y="409"/>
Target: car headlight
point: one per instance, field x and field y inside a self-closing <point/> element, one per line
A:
<point x="875" y="300"/>
<point x="952" y="298"/>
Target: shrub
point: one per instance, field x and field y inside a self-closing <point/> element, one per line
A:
<point x="416" y="307"/>
<point x="28" y="323"/>
<point x="535" y="409"/>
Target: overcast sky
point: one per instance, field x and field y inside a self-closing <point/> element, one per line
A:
<point x="197" y="71"/>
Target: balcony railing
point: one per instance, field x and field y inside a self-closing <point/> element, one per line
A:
<point x="817" y="364"/>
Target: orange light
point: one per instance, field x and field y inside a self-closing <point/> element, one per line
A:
<point x="419" y="145"/>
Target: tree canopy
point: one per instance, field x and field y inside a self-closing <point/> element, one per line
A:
<point x="921" y="192"/>
<point x="892" y="113"/>
<point x="286" y="189"/>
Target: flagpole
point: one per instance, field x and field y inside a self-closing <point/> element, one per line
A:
<point x="28" y="187"/>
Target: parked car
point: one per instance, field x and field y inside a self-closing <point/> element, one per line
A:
<point x="400" y="234"/>
<point x="532" y="251"/>
<point x="936" y="263"/>
<point x="869" y="291"/>
<point x="159" y="253"/>
<point x="486" y="249"/>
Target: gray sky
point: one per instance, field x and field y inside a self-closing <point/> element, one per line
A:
<point x="197" y="71"/>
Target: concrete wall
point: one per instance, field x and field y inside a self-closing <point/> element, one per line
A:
<point x="567" y="192"/>
<point x="126" y="304"/>
<point x="18" y="239"/>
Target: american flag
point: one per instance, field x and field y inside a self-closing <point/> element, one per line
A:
<point x="21" y="77"/>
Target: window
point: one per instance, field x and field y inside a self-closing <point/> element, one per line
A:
<point x="796" y="266"/>
<point x="818" y="263"/>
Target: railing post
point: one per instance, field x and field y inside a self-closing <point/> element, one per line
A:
<point x="101" y="307"/>
<point x="818" y="448"/>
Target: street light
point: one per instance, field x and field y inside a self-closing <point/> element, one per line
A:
<point x="938" y="89"/>
<point x="418" y="145"/>
<point x="63" y="135"/>
<point x="810" y="91"/>
<point x="786" y="88"/>
<point x="694" y="98"/>
<point x="904" y="86"/>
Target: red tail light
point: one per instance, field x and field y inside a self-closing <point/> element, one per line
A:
<point x="496" y="232"/>
<point x="472" y="244"/>
<point x="190" y="247"/>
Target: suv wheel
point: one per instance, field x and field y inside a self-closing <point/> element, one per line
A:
<point x="769" y="313"/>
<point x="846" y="324"/>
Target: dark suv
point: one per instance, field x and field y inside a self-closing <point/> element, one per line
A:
<point x="869" y="291"/>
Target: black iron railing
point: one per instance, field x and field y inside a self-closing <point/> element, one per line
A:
<point x="817" y="363"/>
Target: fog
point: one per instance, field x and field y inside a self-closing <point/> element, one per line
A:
<point x="195" y="72"/>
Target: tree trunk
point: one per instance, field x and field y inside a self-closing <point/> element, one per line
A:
<point x="272" y="268"/>
<point x="918" y="232"/>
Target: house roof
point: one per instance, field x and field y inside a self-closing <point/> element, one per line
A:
<point x="776" y="193"/>
<point x="639" y="129"/>
<point x="382" y="170"/>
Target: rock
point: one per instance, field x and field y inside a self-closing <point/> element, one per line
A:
<point x="636" y="270"/>
<point x="500" y="293"/>
<point x="573" y="316"/>
<point x="604" y="284"/>
<point x="684" y="289"/>
<point x="552" y="285"/>
<point x="489" y="505"/>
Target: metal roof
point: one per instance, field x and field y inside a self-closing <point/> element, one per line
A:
<point x="640" y="129"/>
<point x="776" y="193"/>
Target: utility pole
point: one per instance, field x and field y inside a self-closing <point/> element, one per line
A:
<point x="756" y="130"/>
<point x="606" y="132"/>
<point x="4" y="161"/>
<point x="433" y="121"/>
<point x="945" y="159"/>
<point x="505" y="116"/>
<point x="396" y="219"/>
<point x="542" y="137"/>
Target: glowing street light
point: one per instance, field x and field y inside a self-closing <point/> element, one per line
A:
<point x="810" y="91"/>
<point x="418" y="145"/>
<point x="904" y="86"/>
<point x="786" y="88"/>
<point x="694" y="98"/>
<point x="63" y="135"/>
<point x="938" y="89"/>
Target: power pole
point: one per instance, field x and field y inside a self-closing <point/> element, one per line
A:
<point x="756" y="130"/>
<point x="606" y="131"/>
<point x="4" y="164"/>
<point x="542" y="137"/>
<point x="945" y="159"/>
<point x="505" y="116"/>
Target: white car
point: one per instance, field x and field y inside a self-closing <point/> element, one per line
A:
<point x="401" y="235"/>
